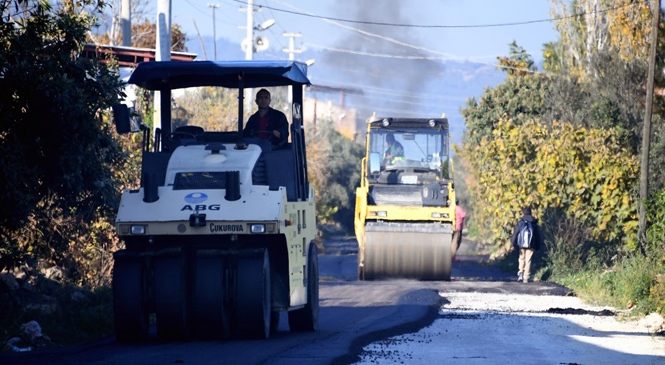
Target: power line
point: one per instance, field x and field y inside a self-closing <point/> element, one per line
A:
<point x="402" y="43"/>
<point x="449" y="26"/>
<point x="205" y="12"/>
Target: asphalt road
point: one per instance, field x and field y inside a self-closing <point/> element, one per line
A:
<point x="353" y="314"/>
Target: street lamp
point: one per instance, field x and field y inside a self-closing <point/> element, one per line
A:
<point x="265" y="25"/>
<point x="258" y="44"/>
<point x="251" y="45"/>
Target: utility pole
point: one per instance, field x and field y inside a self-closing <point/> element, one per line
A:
<point x="292" y="40"/>
<point x="291" y="51"/>
<point x="162" y="53"/>
<point x="646" y="130"/>
<point x="252" y="45"/>
<point x="126" y="22"/>
<point x="214" y="32"/>
<point x="249" y="51"/>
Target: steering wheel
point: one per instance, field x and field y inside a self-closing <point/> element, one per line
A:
<point x="180" y="135"/>
<point x="270" y="133"/>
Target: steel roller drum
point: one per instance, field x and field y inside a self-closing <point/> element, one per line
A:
<point x="420" y="251"/>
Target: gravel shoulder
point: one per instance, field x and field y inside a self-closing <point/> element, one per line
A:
<point x="489" y="318"/>
<point x="494" y="328"/>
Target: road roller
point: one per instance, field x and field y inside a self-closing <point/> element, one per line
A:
<point x="219" y="237"/>
<point x="405" y="204"/>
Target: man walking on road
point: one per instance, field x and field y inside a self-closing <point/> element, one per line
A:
<point x="526" y="238"/>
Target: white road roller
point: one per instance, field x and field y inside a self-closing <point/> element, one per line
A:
<point x="219" y="238"/>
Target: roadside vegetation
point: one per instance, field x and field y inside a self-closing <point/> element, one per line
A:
<point x="565" y="139"/>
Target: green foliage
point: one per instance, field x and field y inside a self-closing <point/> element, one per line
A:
<point x="518" y="63"/>
<point x="521" y="97"/>
<point x="67" y="314"/>
<point x="334" y="170"/>
<point x="584" y="172"/>
<point x="634" y="282"/>
<point x="557" y="144"/>
<point x="655" y="246"/>
<point x="603" y="274"/>
<point x="208" y="107"/>
<point x="552" y="57"/>
<point x="574" y="159"/>
<point x="566" y="252"/>
<point x="624" y="31"/>
<point x="612" y="100"/>
<point x="57" y="151"/>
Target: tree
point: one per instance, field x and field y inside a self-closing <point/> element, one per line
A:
<point x="587" y="27"/>
<point x="519" y="98"/>
<point x="613" y="100"/>
<point x="143" y="31"/>
<point x="208" y="107"/>
<point x="58" y="155"/>
<point x="334" y="170"/>
<point x="584" y="172"/>
<point x="554" y="142"/>
<point x="144" y="36"/>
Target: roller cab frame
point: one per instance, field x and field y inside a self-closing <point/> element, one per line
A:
<point x="405" y="207"/>
<point x="219" y="238"/>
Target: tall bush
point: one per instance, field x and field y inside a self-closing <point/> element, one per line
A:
<point x="57" y="152"/>
<point x="582" y="171"/>
<point x="334" y="170"/>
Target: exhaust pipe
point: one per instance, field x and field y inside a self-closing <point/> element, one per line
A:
<point x="150" y="188"/>
<point x="232" y="185"/>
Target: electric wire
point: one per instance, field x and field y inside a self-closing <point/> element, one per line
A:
<point x="509" y="24"/>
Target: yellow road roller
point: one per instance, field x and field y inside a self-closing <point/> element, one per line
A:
<point x="405" y="204"/>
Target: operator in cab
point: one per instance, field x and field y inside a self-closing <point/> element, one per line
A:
<point x="394" y="151"/>
<point x="267" y="123"/>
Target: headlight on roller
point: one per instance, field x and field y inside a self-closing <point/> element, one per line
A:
<point x="257" y="228"/>
<point x="137" y="229"/>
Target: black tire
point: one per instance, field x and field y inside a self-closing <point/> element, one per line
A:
<point x="210" y="318"/>
<point x="307" y="318"/>
<point x="253" y="301"/>
<point x="130" y="314"/>
<point x="170" y="297"/>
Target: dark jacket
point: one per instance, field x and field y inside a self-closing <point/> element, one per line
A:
<point x="276" y="121"/>
<point x="536" y="241"/>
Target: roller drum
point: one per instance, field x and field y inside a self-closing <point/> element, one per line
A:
<point x="420" y="251"/>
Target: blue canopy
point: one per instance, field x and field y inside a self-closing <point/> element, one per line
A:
<point x="182" y="74"/>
